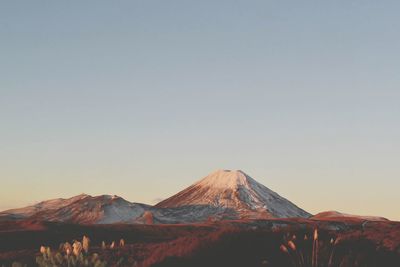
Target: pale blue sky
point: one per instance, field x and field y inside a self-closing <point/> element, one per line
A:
<point x="142" y="98"/>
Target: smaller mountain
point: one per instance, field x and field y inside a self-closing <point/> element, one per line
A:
<point x="84" y="209"/>
<point x="332" y="215"/>
<point x="101" y="209"/>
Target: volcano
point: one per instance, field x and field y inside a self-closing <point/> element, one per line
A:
<point x="237" y="193"/>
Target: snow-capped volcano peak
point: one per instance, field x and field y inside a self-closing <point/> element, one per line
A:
<point x="235" y="191"/>
<point x="225" y="179"/>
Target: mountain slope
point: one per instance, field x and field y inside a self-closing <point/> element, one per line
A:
<point x="238" y="194"/>
<point x="47" y="205"/>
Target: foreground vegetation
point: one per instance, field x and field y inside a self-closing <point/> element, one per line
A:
<point x="78" y="254"/>
<point x="273" y="243"/>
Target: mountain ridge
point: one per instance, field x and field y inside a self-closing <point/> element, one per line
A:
<point x="221" y="195"/>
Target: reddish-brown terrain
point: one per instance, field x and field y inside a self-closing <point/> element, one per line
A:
<point x="341" y="242"/>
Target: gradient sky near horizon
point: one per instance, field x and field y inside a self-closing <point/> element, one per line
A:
<point x="142" y="98"/>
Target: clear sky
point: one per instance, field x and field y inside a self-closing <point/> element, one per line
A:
<point x="142" y="98"/>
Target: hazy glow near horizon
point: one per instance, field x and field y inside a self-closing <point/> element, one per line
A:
<point x="142" y="98"/>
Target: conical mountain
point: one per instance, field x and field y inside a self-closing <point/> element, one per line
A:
<point x="236" y="192"/>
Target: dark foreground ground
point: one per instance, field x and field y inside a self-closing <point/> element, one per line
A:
<point x="342" y="242"/>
